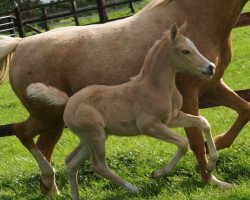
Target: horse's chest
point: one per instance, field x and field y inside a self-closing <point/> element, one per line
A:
<point x="172" y="107"/>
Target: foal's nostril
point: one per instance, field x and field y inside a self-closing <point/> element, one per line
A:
<point x="211" y="68"/>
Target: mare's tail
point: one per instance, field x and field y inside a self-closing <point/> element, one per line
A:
<point x="47" y="94"/>
<point x="7" y="46"/>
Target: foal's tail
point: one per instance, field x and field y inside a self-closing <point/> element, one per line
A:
<point x="7" y="46"/>
<point x="47" y="94"/>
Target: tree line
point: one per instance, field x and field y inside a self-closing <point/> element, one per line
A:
<point x="10" y="5"/>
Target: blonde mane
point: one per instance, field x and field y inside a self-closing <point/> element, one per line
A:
<point x="155" y="4"/>
<point x="150" y="54"/>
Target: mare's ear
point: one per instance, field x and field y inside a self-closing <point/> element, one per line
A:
<point x="174" y="32"/>
<point x="183" y="28"/>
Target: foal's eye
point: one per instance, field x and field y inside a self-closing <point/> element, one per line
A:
<point x="185" y="51"/>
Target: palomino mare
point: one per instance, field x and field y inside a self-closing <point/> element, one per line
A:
<point x="74" y="57"/>
<point x="148" y="104"/>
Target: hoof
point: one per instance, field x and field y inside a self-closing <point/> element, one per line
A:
<point x="50" y="192"/>
<point x="220" y="184"/>
<point x="160" y="173"/>
<point x="155" y="175"/>
<point x="131" y="188"/>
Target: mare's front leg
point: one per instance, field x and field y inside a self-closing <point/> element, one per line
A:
<point x="190" y="105"/>
<point x="161" y="131"/>
<point x="223" y="95"/>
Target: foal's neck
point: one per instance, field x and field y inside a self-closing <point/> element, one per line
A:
<point x="158" y="71"/>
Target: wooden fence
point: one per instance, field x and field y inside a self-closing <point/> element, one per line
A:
<point x="44" y="19"/>
<point x="7" y="26"/>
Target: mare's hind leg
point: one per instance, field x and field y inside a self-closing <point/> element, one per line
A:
<point x="48" y="140"/>
<point x="25" y="132"/>
<point x="162" y="132"/>
<point x="46" y="144"/>
<point x="223" y="95"/>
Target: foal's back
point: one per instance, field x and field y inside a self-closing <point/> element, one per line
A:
<point x="109" y="107"/>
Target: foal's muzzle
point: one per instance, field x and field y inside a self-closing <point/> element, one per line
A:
<point x="210" y="70"/>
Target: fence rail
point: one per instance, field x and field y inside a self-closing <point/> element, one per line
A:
<point x="45" y="17"/>
<point x="7" y="26"/>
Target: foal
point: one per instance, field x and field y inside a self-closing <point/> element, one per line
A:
<point x="148" y="104"/>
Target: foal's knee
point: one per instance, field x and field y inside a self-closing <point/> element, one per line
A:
<point x="72" y="170"/>
<point x="99" y="169"/>
<point x="205" y="126"/>
<point x="183" y="147"/>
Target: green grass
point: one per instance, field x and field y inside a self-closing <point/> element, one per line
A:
<point x="135" y="158"/>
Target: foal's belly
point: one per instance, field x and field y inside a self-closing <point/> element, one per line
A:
<point x="124" y="128"/>
<point x="120" y="123"/>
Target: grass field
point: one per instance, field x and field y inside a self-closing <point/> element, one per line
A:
<point x="135" y="158"/>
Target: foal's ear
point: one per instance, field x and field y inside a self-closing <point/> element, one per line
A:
<point x="174" y="31"/>
<point x="183" y="28"/>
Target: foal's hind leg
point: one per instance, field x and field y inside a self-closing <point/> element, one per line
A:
<point x="96" y="142"/>
<point x="73" y="163"/>
<point x="162" y="132"/>
<point x="223" y="95"/>
<point x="25" y="132"/>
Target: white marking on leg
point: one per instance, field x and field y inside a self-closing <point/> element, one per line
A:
<point x="47" y="172"/>
<point x="221" y="184"/>
<point x="213" y="154"/>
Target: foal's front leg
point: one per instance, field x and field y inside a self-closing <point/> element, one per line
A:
<point x="161" y="131"/>
<point x="186" y="120"/>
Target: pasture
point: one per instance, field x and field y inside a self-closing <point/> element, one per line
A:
<point x="135" y="158"/>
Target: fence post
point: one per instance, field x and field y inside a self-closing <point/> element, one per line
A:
<point x="45" y="14"/>
<point x="101" y="11"/>
<point x="131" y="6"/>
<point x="19" y="23"/>
<point x="12" y="31"/>
<point x="74" y="9"/>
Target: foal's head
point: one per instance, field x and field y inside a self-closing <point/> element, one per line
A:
<point x="185" y="56"/>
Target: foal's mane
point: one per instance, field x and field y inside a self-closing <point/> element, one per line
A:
<point x="151" y="54"/>
<point x="155" y="4"/>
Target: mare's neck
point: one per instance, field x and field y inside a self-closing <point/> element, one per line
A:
<point x="213" y="19"/>
<point x="218" y="18"/>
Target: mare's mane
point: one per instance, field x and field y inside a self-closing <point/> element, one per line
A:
<point x="155" y="4"/>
